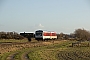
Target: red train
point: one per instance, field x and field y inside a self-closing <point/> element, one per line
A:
<point x="45" y="35"/>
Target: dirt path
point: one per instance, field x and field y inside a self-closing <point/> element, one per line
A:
<point x="25" y="56"/>
<point x="11" y="56"/>
<point x="9" y="47"/>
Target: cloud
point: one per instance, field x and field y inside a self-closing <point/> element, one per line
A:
<point x="41" y="26"/>
<point x="36" y="26"/>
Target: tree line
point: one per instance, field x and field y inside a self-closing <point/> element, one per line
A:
<point x="78" y="34"/>
<point x="10" y="35"/>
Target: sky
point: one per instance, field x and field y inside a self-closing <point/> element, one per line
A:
<point x="53" y="15"/>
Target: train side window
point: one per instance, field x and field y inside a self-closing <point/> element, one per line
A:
<point x="53" y="34"/>
<point x="46" y="34"/>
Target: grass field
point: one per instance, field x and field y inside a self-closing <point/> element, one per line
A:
<point x="12" y="40"/>
<point x="59" y="50"/>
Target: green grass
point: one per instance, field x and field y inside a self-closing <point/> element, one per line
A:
<point x="81" y="53"/>
<point x="16" y="57"/>
<point x="60" y="51"/>
<point x="49" y="52"/>
<point x="5" y="55"/>
<point x="20" y="52"/>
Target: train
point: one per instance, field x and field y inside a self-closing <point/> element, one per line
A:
<point x="45" y="35"/>
<point x="27" y="34"/>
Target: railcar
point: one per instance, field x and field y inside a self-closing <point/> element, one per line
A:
<point x="45" y="35"/>
<point x="27" y="34"/>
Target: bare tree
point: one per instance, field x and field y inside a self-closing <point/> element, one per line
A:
<point x="82" y="34"/>
<point x="60" y="36"/>
<point x="10" y="35"/>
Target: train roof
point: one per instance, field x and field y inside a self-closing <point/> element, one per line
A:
<point x="26" y="32"/>
<point x="41" y="30"/>
<point x="46" y="31"/>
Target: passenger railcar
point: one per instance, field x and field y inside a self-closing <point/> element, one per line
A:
<point x="45" y="35"/>
<point x="27" y="34"/>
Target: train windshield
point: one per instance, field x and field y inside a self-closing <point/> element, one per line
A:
<point x="38" y="33"/>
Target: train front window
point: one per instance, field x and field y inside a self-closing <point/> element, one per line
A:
<point x="39" y="34"/>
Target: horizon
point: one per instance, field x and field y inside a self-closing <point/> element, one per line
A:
<point x="59" y="16"/>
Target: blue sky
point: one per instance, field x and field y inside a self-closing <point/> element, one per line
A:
<point x="53" y="15"/>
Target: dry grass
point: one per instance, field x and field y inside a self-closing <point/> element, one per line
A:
<point x="20" y="44"/>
